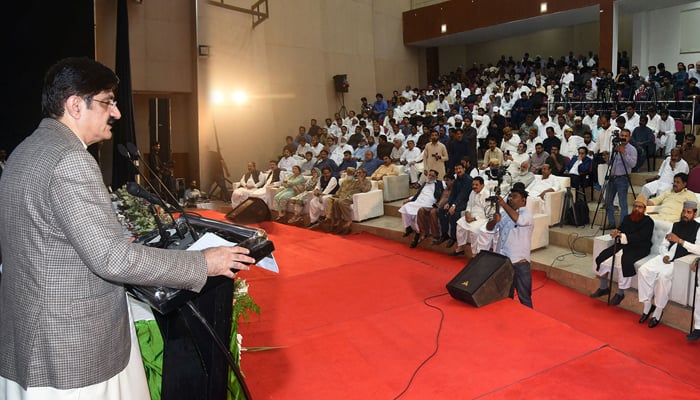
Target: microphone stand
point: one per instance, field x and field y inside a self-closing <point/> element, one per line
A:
<point x="695" y="291"/>
<point x="133" y="151"/>
<point x="164" y="235"/>
<point x="612" y="268"/>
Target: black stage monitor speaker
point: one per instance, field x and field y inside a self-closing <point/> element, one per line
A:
<point x="251" y="211"/>
<point x="487" y="278"/>
<point x="341" y="83"/>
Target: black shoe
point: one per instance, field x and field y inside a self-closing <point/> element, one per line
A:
<point x="617" y="299"/>
<point x="408" y="231"/>
<point x="415" y="241"/>
<point x="439" y="240"/>
<point x="653" y="321"/>
<point x="645" y="317"/>
<point x="457" y="253"/>
<point x="694" y="335"/>
<point x="599" y="292"/>
<point x="450" y="243"/>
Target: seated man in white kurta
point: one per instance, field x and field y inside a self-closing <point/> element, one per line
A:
<point x="412" y="161"/>
<point x="251" y="187"/>
<point x="539" y="188"/>
<point x="663" y="182"/>
<point x="428" y="195"/>
<point x="468" y="228"/>
<point x="656" y="275"/>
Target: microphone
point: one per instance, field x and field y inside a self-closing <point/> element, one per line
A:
<point x="137" y="190"/>
<point x="135" y="153"/>
<point x="123" y="151"/>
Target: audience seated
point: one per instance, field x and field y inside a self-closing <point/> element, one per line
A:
<point x="663" y="181"/>
<point x="304" y="197"/>
<point x="326" y="187"/>
<point x="253" y="183"/>
<point x="427" y="218"/>
<point x="669" y="204"/>
<point x="291" y="185"/>
<point x="387" y="168"/>
<point x="468" y="228"/>
<point x="338" y="211"/>
<point x="427" y="196"/>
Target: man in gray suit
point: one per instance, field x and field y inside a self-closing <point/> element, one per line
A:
<point x="64" y="320"/>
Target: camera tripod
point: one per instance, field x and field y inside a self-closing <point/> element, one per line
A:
<point x="608" y="185"/>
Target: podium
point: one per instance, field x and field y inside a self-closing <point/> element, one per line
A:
<point x="196" y="327"/>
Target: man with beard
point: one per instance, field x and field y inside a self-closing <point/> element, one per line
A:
<point x="427" y="219"/>
<point x="435" y="155"/>
<point x="427" y="196"/>
<point x="633" y="243"/>
<point x="655" y="276"/>
<point x="326" y="187"/>
<point x="456" y="203"/>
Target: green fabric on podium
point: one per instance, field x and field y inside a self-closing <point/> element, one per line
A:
<point x="151" y="344"/>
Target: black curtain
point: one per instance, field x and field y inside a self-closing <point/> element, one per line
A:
<point x="30" y="33"/>
<point x="123" y="130"/>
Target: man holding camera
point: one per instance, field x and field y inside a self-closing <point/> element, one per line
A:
<point x="514" y="225"/>
<point x="620" y="162"/>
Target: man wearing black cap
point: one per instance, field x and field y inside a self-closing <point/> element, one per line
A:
<point x="656" y="275"/>
<point x="514" y="225"/>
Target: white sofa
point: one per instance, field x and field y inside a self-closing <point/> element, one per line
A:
<point x="369" y="204"/>
<point x="554" y="201"/>
<point x="396" y="187"/>
<point x="683" y="278"/>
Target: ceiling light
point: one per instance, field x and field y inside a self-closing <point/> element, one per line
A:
<point x="543" y="7"/>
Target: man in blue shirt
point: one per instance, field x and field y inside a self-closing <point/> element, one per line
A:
<point x="514" y="224"/>
<point x="623" y="158"/>
<point x="379" y="108"/>
<point x="370" y="164"/>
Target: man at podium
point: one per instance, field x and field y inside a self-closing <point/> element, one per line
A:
<point x="64" y="320"/>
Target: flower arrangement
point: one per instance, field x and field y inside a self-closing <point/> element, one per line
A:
<point x="134" y="213"/>
<point x="243" y="306"/>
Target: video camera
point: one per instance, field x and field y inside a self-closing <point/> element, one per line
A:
<point x="496" y="173"/>
<point x="616" y="140"/>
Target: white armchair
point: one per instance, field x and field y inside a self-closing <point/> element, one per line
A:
<point x="395" y="187"/>
<point x="681" y="289"/>
<point x="369" y="204"/>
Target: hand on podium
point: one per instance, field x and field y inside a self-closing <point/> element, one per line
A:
<point x="223" y="260"/>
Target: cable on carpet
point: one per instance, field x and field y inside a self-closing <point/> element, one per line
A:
<point x="437" y="344"/>
<point x="571" y="239"/>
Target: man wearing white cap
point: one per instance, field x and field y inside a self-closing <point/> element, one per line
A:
<point x="656" y="275"/>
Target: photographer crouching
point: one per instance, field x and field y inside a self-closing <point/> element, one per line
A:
<point x="514" y="226"/>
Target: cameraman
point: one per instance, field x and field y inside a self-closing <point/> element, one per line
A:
<point x="623" y="158"/>
<point x="514" y="226"/>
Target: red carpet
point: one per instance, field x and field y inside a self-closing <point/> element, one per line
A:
<point x="349" y="315"/>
